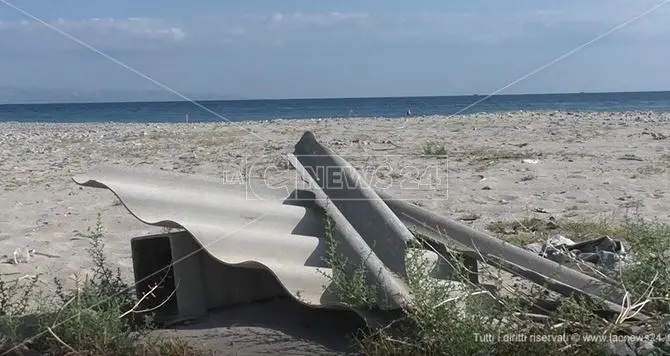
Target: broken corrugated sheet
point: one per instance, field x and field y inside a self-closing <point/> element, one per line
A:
<point x="371" y="233"/>
<point x="511" y="258"/>
<point x="284" y="236"/>
<point x="343" y="186"/>
<point x="236" y="230"/>
<point x="284" y="233"/>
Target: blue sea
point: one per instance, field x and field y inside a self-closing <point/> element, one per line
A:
<point x="251" y="110"/>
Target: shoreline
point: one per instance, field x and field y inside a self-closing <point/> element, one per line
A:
<point x="659" y="114"/>
<point x="474" y="95"/>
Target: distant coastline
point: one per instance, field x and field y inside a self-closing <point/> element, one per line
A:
<point x="45" y="96"/>
<point x="166" y="97"/>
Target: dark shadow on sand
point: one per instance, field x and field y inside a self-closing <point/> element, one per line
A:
<point x="282" y="321"/>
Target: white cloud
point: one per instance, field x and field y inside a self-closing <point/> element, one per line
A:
<point x="104" y="32"/>
<point x="337" y="54"/>
<point x="321" y="19"/>
<point x="298" y="30"/>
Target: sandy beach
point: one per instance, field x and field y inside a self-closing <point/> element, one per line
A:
<point x="488" y="167"/>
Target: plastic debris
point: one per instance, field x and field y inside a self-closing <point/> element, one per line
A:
<point x="603" y="251"/>
<point x="23" y="254"/>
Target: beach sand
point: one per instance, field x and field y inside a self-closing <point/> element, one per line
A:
<point x="498" y="166"/>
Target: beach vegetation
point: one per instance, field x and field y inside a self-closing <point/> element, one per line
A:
<point x="434" y="149"/>
<point x="98" y="316"/>
<point x="498" y="318"/>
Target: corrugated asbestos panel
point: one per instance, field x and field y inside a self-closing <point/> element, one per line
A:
<point x="371" y="234"/>
<point x="231" y="226"/>
<point x="250" y="225"/>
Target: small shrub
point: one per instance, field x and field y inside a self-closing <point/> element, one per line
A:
<point x="649" y="244"/>
<point x="535" y="229"/>
<point x="433" y="149"/>
<point x="350" y="282"/>
<point x="88" y="320"/>
<point x="484" y="155"/>
<point x="15" y="299"/>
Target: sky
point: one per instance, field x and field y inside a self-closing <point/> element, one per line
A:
<point x="319" y="48"/>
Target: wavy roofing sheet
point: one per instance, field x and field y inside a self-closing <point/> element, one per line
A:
<point x="253" y="226"/>
<point x="229" y="225"/>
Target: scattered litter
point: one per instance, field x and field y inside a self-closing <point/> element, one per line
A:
<point x="469" y="217"/>
<point x="389" y="142"/>
<point x="9" y="274"/>
<point x="23" y="254"/>
<point x="530" y="161"/>
<point x="27" y="276"/>
<point x="630" y="157"/>
<point x="359" y="141"/>
<point x="45" y="254"/>
<point x="603" y="251"/>
<point x="658" y="136"/>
